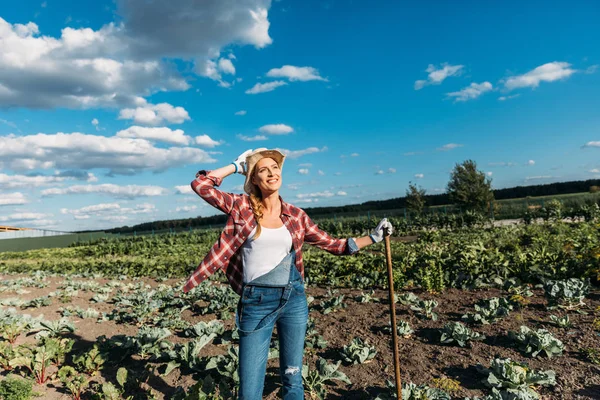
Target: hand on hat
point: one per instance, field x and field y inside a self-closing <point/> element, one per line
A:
<point x="240" y="162"/>
<point x="383" y="228"/>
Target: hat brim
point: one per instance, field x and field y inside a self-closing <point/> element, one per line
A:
<point x="251" y="161"/>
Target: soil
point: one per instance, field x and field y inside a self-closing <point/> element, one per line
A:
<point x="422" y="358"/>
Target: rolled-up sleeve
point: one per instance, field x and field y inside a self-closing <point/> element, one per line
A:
<point x="316" y="236"/>
<point x="205" y="186"/>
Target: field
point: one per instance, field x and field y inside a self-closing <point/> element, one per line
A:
<point x="488" y="293"/>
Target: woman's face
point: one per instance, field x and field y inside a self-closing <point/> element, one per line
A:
<point x="267" y="176"/>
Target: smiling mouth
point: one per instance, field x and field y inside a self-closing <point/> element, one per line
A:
<point x="272" y="180"/>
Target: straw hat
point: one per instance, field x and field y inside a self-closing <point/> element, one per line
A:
<point x="251" y="161"/>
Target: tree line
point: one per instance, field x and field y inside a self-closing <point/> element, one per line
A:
<point x="468" y="188"/>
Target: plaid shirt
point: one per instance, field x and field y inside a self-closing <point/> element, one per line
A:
<point x="225" y="253"/>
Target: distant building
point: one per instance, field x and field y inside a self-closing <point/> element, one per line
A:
<point x="11" y="232"/>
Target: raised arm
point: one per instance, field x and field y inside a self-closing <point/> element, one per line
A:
<point x="206" y="182"/>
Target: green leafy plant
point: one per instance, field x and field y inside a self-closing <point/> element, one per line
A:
<point x="108" y="391"/>
<point x="448" y="385"/>
<point x="411" y="391"/>
<point x="591" y="354"/>
<point x="90" y="362"/>
<point x="204" y="389"/>
<point x="358" y="352"/>
<point x="459" y="333"/>
<point x="202" y="328"/>
<point x="332" y="304"/>
<point x="537" y="342"/>
<point x="515" y="379"/>
<point x="36" y="360"/>
<point x="76" y="383"/>
<point x="568" y="294"/>
<point x="14" y="388"/>
<point x="186" y="355"/>
<point x="561" y="322"/>
<point x="408" y="299"/>
<point x="7" y="353"/>
<point x="55" y="328"/>
<point x="316" y="380"/>
<point x="403" y="329"/>
<point x="424" y="309"/>
<point x="367" y="297"/>
<point x="488" y="311"/>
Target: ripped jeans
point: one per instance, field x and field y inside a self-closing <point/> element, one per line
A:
<point x="276" y="298"/>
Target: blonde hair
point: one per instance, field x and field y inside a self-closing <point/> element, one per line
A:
<point x="257" y="205"/>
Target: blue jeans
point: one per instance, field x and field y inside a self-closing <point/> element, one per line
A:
<point x="265" y="302"/>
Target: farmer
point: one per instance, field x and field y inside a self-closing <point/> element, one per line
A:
<point x="260" y="250"/>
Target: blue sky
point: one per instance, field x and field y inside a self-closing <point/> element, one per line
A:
<point x="107" y="109"/>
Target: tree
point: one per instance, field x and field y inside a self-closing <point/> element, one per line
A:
<point x="469" y="187"/>
<point x="415" y="198"/>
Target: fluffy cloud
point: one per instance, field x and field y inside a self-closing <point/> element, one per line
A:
<point x="126" y="192"/>
<point x="437" y="75"/>
<point x="186" y="208"/>
<point x="473" y="91"/>
<point x="155" y="114"/>
<point x="184" y="189"/>
<point x="81" y="151"/>
<point x="23" y="217"/>
<point x="392" y="170"/>
<point x="591" y="144"/>
<point x="251" y="138"/>
<point x="206" y="141"/>
<point x="265" y="87"/>
<point x="241" y="112"/>
<point x="113" y="65"/>
<point x="323" y="194"/>
<point x="292" y="154"/>
<point x="449" y="146"/>
<point x="113" y="209"/>
<point x="549" y="72"/>
<point x="156" y="134"/>
<point x="303" y="171"/>
<point x="504" y="98"/>
<point x="419" y="176"/>
<point x="321" y="173"/>
<point x="530" y="162"/>
<point x="10" y="199"/>
<point x="276" y="129"/>
<point x="296" y="73"/>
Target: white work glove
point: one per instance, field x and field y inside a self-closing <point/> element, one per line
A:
<point x="240" y="162"/>
<point x="384" y="227"/>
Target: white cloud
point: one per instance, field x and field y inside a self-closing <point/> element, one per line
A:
<point x="341" y="193"/>
<point x="538" y="178"/>
<point x="323" y="194"/>
<point x="80" y="151"/>
<point x="127" y="192"/>
<point x="449" y="146"/>
<point x="379" y="172"/>
<point x="473" y="91"/>
<point x="251" y="138"/>
<point x="226" y="66"/>
<point x="265" y="87"/>
<point x="549" y="72"/>
<point x="25" y="181"/>
<point x="530" y="162"/>
<point x="504" y="98"/>
<point x="392" y="170"/>
<point x="489" y="173"/>
<point x="206" y="141"/>
<point x="292" y="154"/>
<point x="26" y="216"/>
<point x="296" y="73"/>
<point x="241" y="112"/>
<point x="123" y="59"/>
<point x="503" y="164"/>
<point x="155" y="114"/>
<point x="419" y="176"/>
<point x="276" y="129"/>
<point x="595" y="171"/>
<point x="186" y="208"/>
<point x="162" y="134"/>
<point x="437" y="75"/>
<point x="9" y="199"/>
<point x="184" y="189"/>
<point x="113" y="209"/>
<point x="303" y="171"/>
<point x="591" y="144"/>
<point x="354" y="155"/>
<point x="320" y="172"/>
<point x="95" y="122"/>
<point x="591" y="69"/>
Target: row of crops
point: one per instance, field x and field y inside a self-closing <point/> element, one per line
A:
<point x="559" y="261"/>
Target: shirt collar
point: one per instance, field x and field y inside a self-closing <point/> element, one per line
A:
<point x="285" y="208"/>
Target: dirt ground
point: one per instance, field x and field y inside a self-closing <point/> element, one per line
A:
<point x="421" y="358"/>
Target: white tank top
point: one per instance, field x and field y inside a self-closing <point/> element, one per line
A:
<point x="265" y="253"/>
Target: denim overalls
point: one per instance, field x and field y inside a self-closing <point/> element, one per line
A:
<point x="276" y="297"/>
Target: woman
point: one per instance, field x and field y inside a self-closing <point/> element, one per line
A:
<point x="260" y="250"/>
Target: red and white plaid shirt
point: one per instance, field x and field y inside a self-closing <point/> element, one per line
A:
<point x="224" y="253"/>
